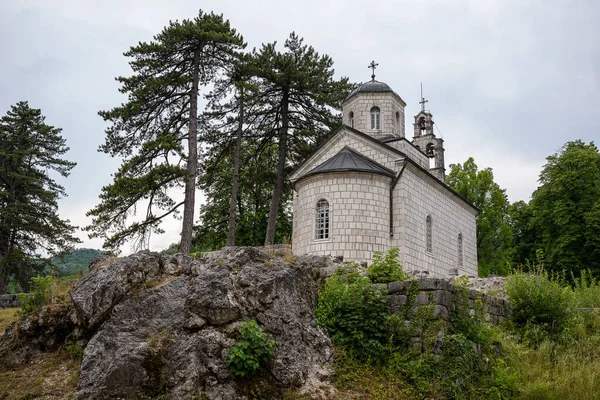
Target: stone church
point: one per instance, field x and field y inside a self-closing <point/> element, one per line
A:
<point x="367" y="188"/>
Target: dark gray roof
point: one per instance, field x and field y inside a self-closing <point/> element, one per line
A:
<point x="349" y="160"/>
<point x="370" y="86"/>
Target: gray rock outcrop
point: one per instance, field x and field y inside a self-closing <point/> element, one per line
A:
<point x="163" y="325"/>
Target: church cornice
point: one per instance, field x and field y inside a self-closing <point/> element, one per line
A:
<point x="385" y="147"/>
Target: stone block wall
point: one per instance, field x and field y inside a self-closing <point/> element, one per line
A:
<point x="444" y="296"/>
<point x="416" y="199"/>
<point x="440" y="293"/>
<point x="9" y="301"/>
<point x="389" y="105"/>
<point x="358" y="215"/>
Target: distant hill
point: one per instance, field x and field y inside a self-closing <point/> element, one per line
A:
<point x="79" y="259"/>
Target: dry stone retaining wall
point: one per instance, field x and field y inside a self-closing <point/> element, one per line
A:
<point x="9" y="301"/>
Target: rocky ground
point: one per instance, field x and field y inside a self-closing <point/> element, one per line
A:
<point x="152" y="325"/>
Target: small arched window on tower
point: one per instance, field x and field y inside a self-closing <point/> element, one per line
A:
<point x="398" y="129"/>
<point x="351" y="119"/>
<point x="428" y="234"/>
<point x="460" y="250"/>
<point x="322" y="220"/>
<point x="375" y="118"/>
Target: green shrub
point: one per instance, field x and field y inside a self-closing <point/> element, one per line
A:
<point x="540" y="304"/>
<point x="41" y="294"/>
<point x="250" y="353"/>
<point x="75" y="350"/>
<point x="586" y="290"/>
<point x="386" y="268"/>
<point x="355" y="314"/>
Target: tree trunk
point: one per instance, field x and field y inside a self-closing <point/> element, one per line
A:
<point x="236" y="174"/>
<point x="277" y="191"/>
<point x="192" y="164"/>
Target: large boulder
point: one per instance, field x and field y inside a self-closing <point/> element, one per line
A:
<point x="164" y="325"/>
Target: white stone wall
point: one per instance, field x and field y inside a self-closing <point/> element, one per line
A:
<point x="359" y="215"/>
<point x="363" y="146"/>
<point x="411" y="151"/>
<point x="419" y="195"/>
<point x="388" y="104"/>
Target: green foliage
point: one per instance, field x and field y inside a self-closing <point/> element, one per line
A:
<point x="41" y="294"/>
<point x="386" y="268"/>
<point x="151" y="131"/>
<point x="471" y="325"/>
<point x="494" y="236"/>
<point x="565" y="209"/>
<point x="252" y="352"/>
<point x="542" y="306"/>
<point x="75" y="350"/>
<point x="30" y="154"/>
<point x="355" y="313"/>
<point x="75" y="262"/>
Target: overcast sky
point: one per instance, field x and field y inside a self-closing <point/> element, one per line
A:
<point x="508" y="82"/>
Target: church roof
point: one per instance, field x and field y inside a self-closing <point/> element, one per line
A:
<point x="349" y="160"/>
<point x="370" y="87"/>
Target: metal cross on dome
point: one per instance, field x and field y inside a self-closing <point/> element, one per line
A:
<point x="373" y="65"/>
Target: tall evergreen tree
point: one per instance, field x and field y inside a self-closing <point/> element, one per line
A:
<point x="30" y="151"/>
<point x="150" y="130"/>
<point x="299" y="96"/>
<point x="494" y="237"/>
<point x="565" y="209"/>
<point x="224" y="125"/>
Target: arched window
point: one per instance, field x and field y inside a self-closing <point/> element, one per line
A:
<point x="398" y="129"/>
<point x="460" y="250"/>
<point x="428" y="234"/>
<point x="375" y="118"/>
<point x="322" y="220"/>
<point x="351" y="119"/>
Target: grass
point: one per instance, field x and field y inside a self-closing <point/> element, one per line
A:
<point x="50" y="376"/>
<point x="7" y="316"/>
<point x="573" y="374"/>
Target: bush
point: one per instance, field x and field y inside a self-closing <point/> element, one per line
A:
<point x="540" y="304"/>
<point x="41" y="294"/>
<point x="355" y="314"/>
<point x="250" y="353"/>
<point x="386" y="268"/>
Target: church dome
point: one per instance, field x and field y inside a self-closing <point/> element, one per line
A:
<point x="370" y="87"/>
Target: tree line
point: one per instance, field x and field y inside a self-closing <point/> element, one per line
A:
<point x="558" y="229"/>
<point x="265" y="110"/>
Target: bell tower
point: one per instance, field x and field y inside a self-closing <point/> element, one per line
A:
<point x="424" y="139"/>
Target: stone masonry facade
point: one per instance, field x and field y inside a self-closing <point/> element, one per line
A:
<point x="391" y="108"/>
<point x="382" y="192"/>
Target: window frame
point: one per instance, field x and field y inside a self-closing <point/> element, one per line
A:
<point x="375" y="113"/>
<point x="322" y="220"/>
<point x="429" y="234"/>
<point x="460" y="250"/>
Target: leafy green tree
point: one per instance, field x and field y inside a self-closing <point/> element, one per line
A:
<point x="299" y="96"/>
<point x="152" y="129"/>
<point x="525" y="237"/>
<point x="494" y="237"/>
<point x="566" y="208"/>
<point x="30" y="153"/>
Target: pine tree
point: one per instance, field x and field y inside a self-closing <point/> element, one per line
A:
<point x="299" y="97"/>
<point x="30" y="151"/>
<point x="152" y="129"/>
